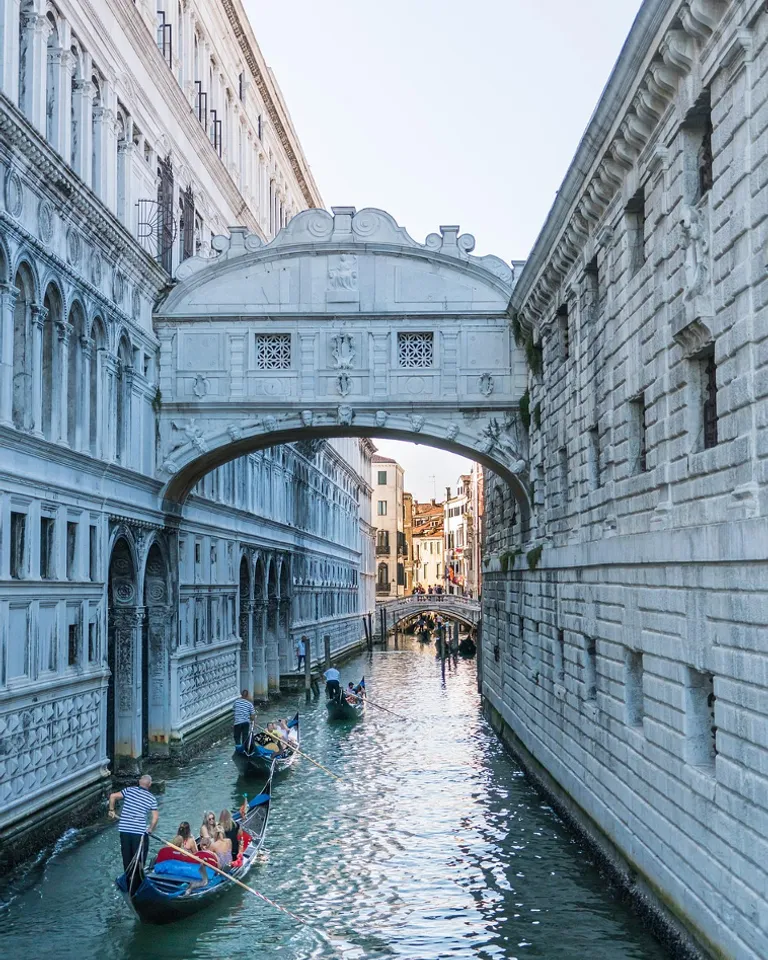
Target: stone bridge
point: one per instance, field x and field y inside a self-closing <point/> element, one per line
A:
<point x="343" y="325"/>
<point x="463" y="609"/>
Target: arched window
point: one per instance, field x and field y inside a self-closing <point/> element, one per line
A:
<point x="99" y="341"/>
<point x="383" y="576"/>
<point x="123" y="404"/>
<point x="97" y="182"/>
<point x="22" y="350"/>
<point x="49" y="373"/>
<point x="76" y="111"/>
<point x="122" y="182"/>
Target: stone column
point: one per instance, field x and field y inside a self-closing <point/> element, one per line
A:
<point x="82" y="104"/>
<point x="124" y="202"/>
<point x="128" y="623"/>
<point x="64" y="103"/>
<point x="83" y="423"/>
<point x="246" y="644"/>
<point x="61" y="383"/>
<point x="273" y="650"/>
<point x="8" y="297"/>
<point x="101" y="126"/>
<point x="35" y="29"/>
<point x="38" y="316"/>
<point x="10" y="14"/>
<point x="284" y="634"/>
<point x="108" y="407"/>
<point x="260" y="680"/>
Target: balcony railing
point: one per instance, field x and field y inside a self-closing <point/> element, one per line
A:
<point x="382" y="549"/>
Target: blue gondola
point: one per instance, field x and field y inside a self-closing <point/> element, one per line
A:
<point x="340" y="709"/>
<point x="252" y="758"/>
<point x="163" y="892"/>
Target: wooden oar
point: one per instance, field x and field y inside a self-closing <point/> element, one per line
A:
<point x="293" y="916"/>
<point x="367" y="699"/>
<point x="292" y="745"/>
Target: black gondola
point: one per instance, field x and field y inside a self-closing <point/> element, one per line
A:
<point x="253" y="758"/>
<point x="163" y="893"/>
<point x="339" y="707"/>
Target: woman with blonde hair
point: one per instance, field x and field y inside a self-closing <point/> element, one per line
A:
<point x="222" y="847"/>
<point x="231" y="831"/>
<point x="208" y="826"/>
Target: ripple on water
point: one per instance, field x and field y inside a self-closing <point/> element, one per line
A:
<point x="435" y="846"/>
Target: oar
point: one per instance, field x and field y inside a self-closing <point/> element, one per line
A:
<point x="245" y="886"/>
<point x="289" y="743"/>
<point x="367" y="699"/>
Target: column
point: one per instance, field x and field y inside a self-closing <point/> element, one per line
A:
<point x="83" y="423"/>
<point x="108" y="408"/>
<point x="286" y="653"/>
<point x="8" y="296"/>
<point x="61" y="383"/>
<point x="9" y="48"/>
<point x="64" y="101"/>
<point x="39" y="315"/>
<point x="246" y="648"/>
<point x="102" y="123"/>
<point x="259" y="627"/>
<point x="273" y="652"/>
<point x="34" y="39"/>
<point x="82" y="104"/>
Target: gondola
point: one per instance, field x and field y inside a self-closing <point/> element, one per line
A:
<point x="467" y="647"/>
<point x="253" y="758"/>
<point x="158" y="894"/>
<point x="340" y="709"/>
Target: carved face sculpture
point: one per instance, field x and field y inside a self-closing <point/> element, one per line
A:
<point x="381" y="417"/>
<point x="307" y="418"/>
<point x="270" y="424"/>
<point x="452" y="431"/>
<point x="345" y="415"/>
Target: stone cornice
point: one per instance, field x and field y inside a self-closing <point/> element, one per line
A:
<point x="284" y="131"/>
<point x="665" y="42"/>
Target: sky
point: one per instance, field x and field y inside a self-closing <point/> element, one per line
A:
<point x="443" y="111"/>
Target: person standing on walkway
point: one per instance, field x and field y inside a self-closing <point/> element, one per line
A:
<point x="243" y="715"/>
<point x="332" y="686"/>
<point x="301" y="651"/>
<point x="134" y="832"/>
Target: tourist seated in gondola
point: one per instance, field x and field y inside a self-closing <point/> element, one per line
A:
<point x="232" y="832"/>
<point x="208" y="826"/>
<point x="351" y="693"/>
<point x="184" y="838"/>
<point x="271" y="738"/>
<point x="222" y="847"/>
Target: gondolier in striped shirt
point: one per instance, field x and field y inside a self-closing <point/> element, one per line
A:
<point x="137" y="803"/>
<point x="244" y="714"/>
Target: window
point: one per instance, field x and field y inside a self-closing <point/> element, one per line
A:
<point x="633" y="687"/>
<point x="704" y="159"/>
<point x="637" y="435"/>
<point x="700" y="702"/>
<point x="273" y="351"/>
<point x="562" y="454"/>
<point x="381" y="508"/>
<point x="590" y="669"/>
<point x="241" y="86"/>
<point x="565" y="338"/>
<point x="560" y="657"/>
<point x="593" y="459"/>
<point x="93" y="553"/>
<point x="47" y="529"/>
<point x="73" y="644"/>
<point x="591" y="290"/>
<point x="382" y="477"/>
<point x="400" y="575"/>
<point x="708" y="394"/>
<point x="415" y="349"/>
<point x="165" y="38"/>
<point x="71" y="550"/>
<point x="635" y="224"/>
<point x="383" y="575"/>
<point x="260" y="127"/>
<point x="93" y="642"/>
<point x="382" y="541"/>
<point x="18" y="545"/>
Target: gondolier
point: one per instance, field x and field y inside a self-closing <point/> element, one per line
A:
<point x="137" y="803"/>
<point x="332" y="686"/>
<point x="243" y="715"/>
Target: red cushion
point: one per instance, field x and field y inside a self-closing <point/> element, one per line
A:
<point x="169" y="853"/>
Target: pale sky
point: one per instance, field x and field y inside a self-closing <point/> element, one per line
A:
<point x="443" y="111"/>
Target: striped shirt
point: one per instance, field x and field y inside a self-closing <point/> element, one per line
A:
<point x="243" y="710"/>
<point x="137" y="802"/>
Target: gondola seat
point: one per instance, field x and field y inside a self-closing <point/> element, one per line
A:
<point x="166" y="854"/>
<point x="180" y="870"/>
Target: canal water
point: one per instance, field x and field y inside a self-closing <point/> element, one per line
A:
<point x="434" y="847"/>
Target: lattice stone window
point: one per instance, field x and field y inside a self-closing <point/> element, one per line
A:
<point x="415" y="349"/>
<point x="273" y="351"/>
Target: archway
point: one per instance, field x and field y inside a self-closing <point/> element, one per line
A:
<point x="124" y="623"/>
<point x="159" y="624"/>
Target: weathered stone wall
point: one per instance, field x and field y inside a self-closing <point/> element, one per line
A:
<point x="625" y="633"/>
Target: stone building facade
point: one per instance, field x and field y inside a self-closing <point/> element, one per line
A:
<point x="389" y="520"/>
<point x="624" y="634"/>
<point x="129" y="134"/>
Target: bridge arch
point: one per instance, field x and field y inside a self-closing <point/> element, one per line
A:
<point x="342" y="326"/>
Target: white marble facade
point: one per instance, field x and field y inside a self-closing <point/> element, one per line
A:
<point x="124" y="145"/>
<point x="625" y="637"/>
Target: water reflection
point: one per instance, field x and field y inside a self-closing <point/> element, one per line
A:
<point x="434" y="847"/>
